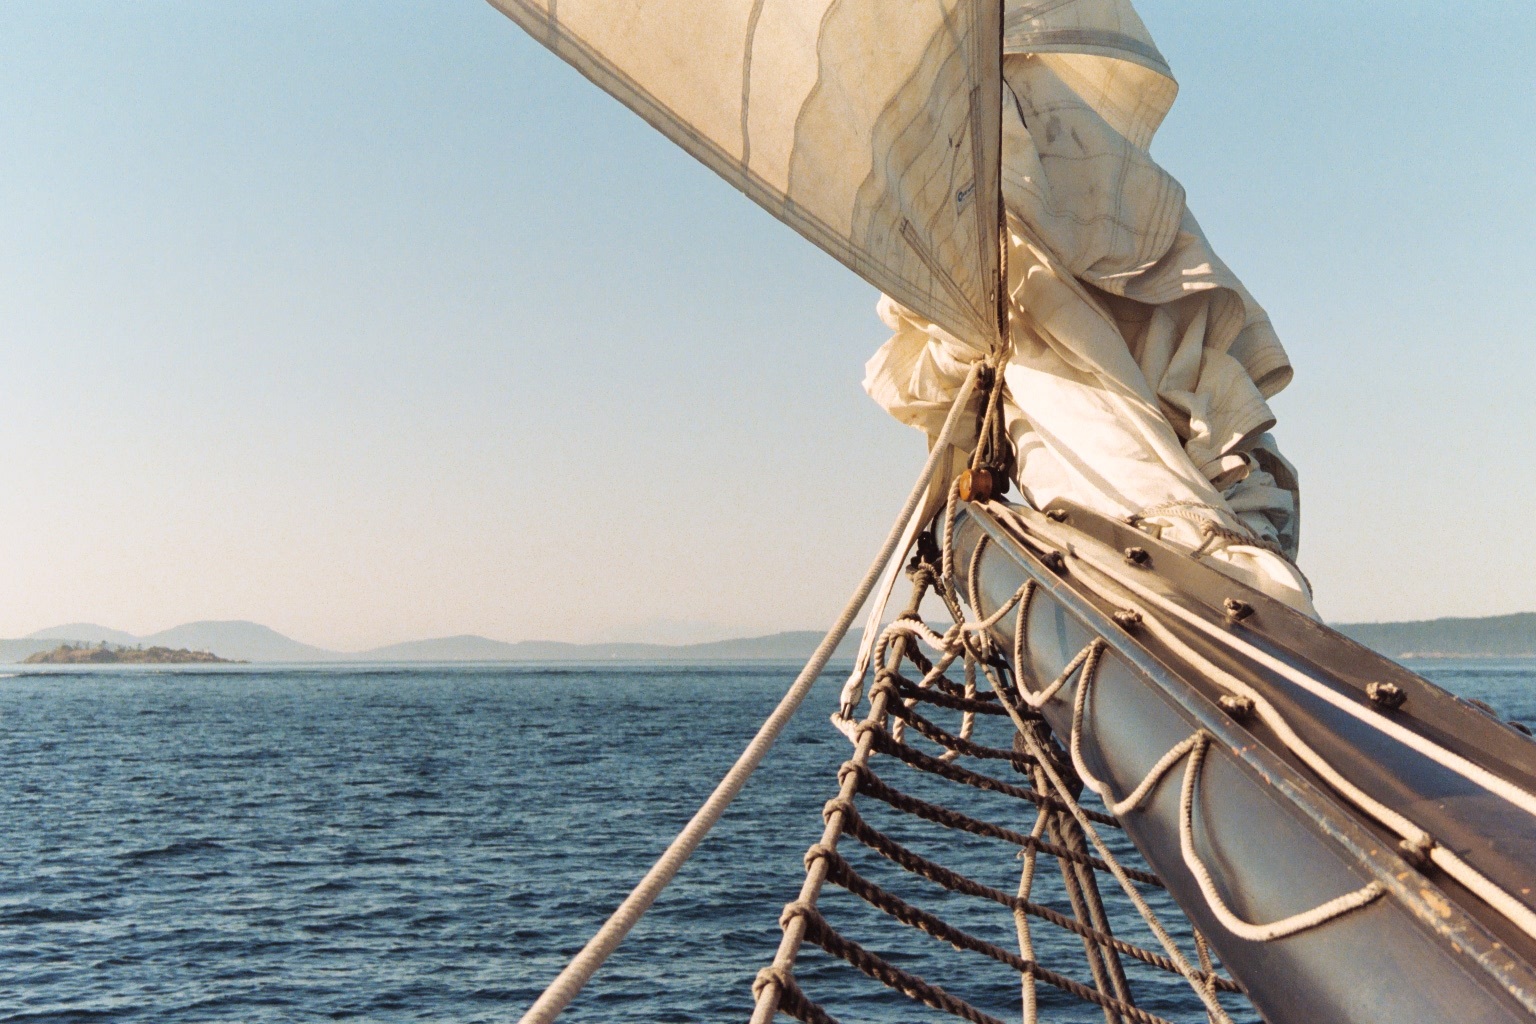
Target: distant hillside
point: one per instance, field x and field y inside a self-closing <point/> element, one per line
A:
<point x="793" y="646"/>
<point x="239" y="640"/>
<point x="1506" y="636"/>
<point x="234" y="640"/>
<point x="249" y="641"/>
<point x="84" y="633"/>
<point x="1498" y="636"/>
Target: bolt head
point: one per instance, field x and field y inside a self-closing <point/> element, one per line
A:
<point x="1386" y="695"/>
<point x="1236" y="705"/>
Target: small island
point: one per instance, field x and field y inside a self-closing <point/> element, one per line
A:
<point x="101" y="654"/>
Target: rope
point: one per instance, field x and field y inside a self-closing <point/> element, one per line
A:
<point x="922" y="762"/>
<point x="570" y="981"/>
<point x="1021" y="923"/>
<point x="935" y="695"/>
<point x="1416" y="839"/>
<point x="1194" y="748"/>
<point x="841" y="872"/>
<point x="1234" y="924"/>
<point x="1122" y="875"/>
<point x="921" y="866"/>
<point x="791" y="999"/>
<point x="892" y="708"/>
<point x="819" y="933"/>
<point x="955" y="744"/>
<point x="871" y="784"/>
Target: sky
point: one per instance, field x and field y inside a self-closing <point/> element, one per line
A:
<point x="376" y="322"/>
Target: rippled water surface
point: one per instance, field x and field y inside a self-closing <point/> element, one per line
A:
<point x="433" y="843"/>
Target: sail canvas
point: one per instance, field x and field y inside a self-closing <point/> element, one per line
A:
<point x="870" y="126"/>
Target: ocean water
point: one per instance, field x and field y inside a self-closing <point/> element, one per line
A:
<point x="433" y="843"/>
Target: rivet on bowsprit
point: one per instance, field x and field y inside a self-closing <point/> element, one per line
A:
<point x="1127" y="619"/>
<point x="1236" y="705"/>
<point x="1237" y="610"/>
<point x="1386" y="695"/>
<point x="1137" y="556"/>
<point x="976" y="485"/>
<point x="1056" y="515"/>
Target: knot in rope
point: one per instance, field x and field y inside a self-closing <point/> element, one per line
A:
<point x="854" y="768"/>
<point x="816" y="853"/>
<point x="836" y="804"/>
<point x="923" y="575"/>
<point x="770" y="975"/>
<point x="799" y="908"/>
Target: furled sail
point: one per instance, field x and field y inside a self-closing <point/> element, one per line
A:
<point x="870" y="126"/>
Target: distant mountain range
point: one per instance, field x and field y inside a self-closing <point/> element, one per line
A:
<point x="1495" y="636"/>
<point x="250" y="641"/>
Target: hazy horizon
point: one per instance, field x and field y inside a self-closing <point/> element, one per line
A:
<point x="374" y="322"/>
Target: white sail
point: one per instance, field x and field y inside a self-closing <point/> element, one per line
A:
<point x="869" y="126"/>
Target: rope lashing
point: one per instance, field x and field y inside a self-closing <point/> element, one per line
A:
<point x="791" y="999"/>
<point x="1205" y="991"/>
<point x="1335" y="907"/>
<point x="893" y="851"/>
<point x="569" y="982"/>
<point x="872" y="785"/>
<point x="841" y="872"/>
<point x="893" y="701"/>
<point x="1194" y="748"/>
<point x="1416" y="838"/>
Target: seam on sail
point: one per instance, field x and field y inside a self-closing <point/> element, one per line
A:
<point x="608" y="77"/>
<point x="909" y="233"/>
<point x="746" y="81"/>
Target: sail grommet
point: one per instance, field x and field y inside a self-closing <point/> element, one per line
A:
<point x="1386" y="695"/>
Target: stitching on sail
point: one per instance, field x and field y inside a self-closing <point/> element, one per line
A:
<point x="746" y="81"/>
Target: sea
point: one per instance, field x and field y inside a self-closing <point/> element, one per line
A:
<point x="432" y="843"/>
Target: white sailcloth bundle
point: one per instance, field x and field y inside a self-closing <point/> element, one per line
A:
<point x="1140" y="365"/>
<point x="899" y="138"/>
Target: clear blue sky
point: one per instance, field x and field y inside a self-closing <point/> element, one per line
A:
<point x="373" y="322"/>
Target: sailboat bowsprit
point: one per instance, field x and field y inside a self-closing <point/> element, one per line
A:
<point x="1132" y="650"/>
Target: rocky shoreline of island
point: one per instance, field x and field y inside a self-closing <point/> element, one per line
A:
<point x="104" y="654"/>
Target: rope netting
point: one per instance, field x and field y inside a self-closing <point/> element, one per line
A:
<point x="1035" y="791"/>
